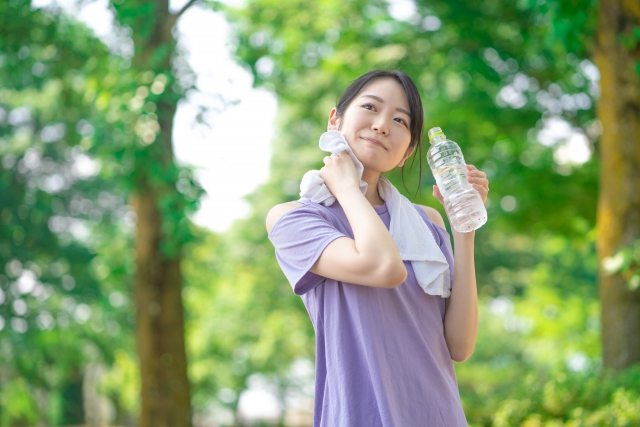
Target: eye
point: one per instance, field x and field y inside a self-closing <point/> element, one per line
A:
<point x="401" y="120"/>
<point x="368" y="107"/>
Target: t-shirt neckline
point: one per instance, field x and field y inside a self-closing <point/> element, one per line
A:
<point x="381" y="209"/>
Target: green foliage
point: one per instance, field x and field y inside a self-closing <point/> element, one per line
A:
<point x="536" y="319"/>
<point x="238" y="323"/>
<point x="630" y="41"/>
<point x="462" y="70"/>
<point x="122" y="385"/>
<point x="80" y="130"/>
<point x="571" y="399"/>
<point x="18" y="404"/>
<point x="66" y="227"/>
<point x="627" y="262"/>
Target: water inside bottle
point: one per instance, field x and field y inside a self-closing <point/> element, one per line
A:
<point x="462" y="202"/>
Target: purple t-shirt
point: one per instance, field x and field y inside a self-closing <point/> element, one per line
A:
<point x="381" y="357"/>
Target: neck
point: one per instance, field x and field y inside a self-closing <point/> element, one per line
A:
<point x="371" y="178"/>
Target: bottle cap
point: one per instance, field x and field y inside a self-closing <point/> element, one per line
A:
<point x="433" y="132"/>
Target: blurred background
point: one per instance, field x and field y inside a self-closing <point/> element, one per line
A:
<point x="143" y="142"/>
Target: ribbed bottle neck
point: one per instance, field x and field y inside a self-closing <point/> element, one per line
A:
<point x="437" y="139"/>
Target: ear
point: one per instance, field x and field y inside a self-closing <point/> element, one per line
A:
<point x="406" y="156"/>
<point x="334" y="121"/>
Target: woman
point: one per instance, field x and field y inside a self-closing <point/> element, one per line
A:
<point x="384" y="347"/>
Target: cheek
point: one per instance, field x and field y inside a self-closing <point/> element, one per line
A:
<point x="404" y="150"/>
<point x="404" y="141"/>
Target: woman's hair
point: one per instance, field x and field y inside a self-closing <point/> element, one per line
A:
<point x="416" y="116"/>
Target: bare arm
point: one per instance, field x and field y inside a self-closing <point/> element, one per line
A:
<point x="371" y="258"/>
<point x="461" y="316"/>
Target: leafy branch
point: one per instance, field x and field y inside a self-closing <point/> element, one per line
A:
<point x="627" y="263"/>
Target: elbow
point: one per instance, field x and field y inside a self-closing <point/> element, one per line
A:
<point x="386" y="275"/>
<point x="394" y="275"/>
<point x="461" y="355"/>
<point x="399" y="277"/>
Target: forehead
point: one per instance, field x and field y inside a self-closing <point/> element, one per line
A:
<point x="389" y="90"/>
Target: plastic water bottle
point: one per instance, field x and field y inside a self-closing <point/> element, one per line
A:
<point x="462" y="202"/>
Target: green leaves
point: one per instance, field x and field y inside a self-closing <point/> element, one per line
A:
<point x="494" y="64"/>
<point x="64" y="153"/>
<point x="627" y="263"/>
<point x="630" y="41"/>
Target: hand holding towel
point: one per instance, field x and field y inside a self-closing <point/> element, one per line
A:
<point x="313" y="186"/>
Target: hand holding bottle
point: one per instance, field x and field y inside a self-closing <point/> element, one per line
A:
<point x="476" y="178"/>
<point x="457" y="184"/>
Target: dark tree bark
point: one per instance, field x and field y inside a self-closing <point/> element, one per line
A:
<point x="160" y="326"/>
<point x="619" y="195"/>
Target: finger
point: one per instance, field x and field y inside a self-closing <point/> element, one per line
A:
<point x="480" y="181"/>
<point x="436" y="193"/>
<point x="479" y="187"/>
<point x="471" y="167"/>
<point x="483" y="192"/>
<point x="476" y="172"/>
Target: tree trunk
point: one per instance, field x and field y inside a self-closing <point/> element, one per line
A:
<point x="165" y="395"/>
<point x="160" y="325"/>
<point x="619" y="195"/>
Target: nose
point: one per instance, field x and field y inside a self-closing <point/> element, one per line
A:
<point x="380" y="125"/>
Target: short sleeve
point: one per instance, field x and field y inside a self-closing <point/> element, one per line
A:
<point x="299" y="238"/>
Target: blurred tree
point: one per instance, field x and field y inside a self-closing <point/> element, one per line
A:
<point x="73" y="187"/>
<point x="161" y="194"/>
<point x="618" y="58"/>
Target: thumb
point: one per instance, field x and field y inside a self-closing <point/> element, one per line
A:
<point x="437" y="194"/>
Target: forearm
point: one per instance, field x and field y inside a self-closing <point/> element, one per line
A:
<point x="371" y="236"/>
<point x="461" y="317"/>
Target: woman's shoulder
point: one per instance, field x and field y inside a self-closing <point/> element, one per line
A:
<point x="278" y="211"/>
<point x="433" y="215"/>
<point x="306" y="210"/>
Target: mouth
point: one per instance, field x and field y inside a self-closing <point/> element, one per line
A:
<point x="374" y="142"/>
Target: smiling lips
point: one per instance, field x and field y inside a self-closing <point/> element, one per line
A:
<point x="374" y="141"/>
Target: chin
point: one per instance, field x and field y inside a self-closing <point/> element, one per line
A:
<point x="373" y="166"/>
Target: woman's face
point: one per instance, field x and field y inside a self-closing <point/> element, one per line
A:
<point x="376" y="125"/>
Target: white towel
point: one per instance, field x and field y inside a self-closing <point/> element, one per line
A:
<point x="313" y="186"/>
<point x="408" y="230"/>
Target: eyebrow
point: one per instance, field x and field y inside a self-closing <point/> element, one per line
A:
<point x="377" y="98"/>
